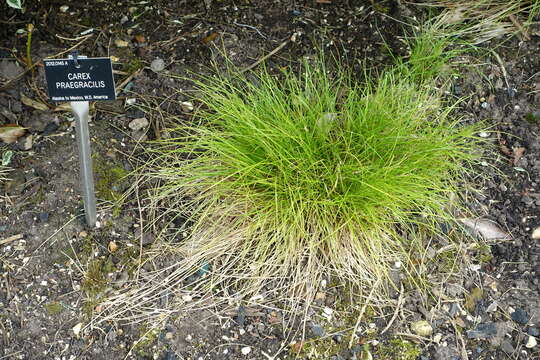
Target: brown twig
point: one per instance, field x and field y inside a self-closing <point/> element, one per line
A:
<point x="127" y="80"/>
<point x="503" y="69"/>
<point x="361" y="315"/>
<point x="271" y="53"/>
<point x="11" y="238"/>
<point x="396" y="312"/>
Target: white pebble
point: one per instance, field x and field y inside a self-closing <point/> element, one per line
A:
<point x="328" y="311"/>
<point x="157" y="65"/>
<point x="531" y="342"/>
<point x="475" y="267"/>
<point x="138" y="124"/>
<point x="246" y="350"/>
<point x="186" y="106"/>
<point x="536" y="233"/>
<point x="422" y="328"/>
<point x="77" y="329"/>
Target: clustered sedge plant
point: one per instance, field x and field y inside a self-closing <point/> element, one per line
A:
<point x="286" y="179"/>
<point x="298" y="177"/>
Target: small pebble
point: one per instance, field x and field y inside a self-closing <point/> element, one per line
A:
<point x="531" y="342"/>
<point x="77" y="329"/>
<point x="483" y="331"/>
<point x="318" y="330"/>
<point x="536" y="233"/>
<point x="492" y="307"/>
<point x="138" y="124"/>
<point x="113" y="246"/>
<point x="421" y="328"/>
<point x="26" y="143"/>
<point x="157" y="65"/>
<point x="520" y="316"/>
<point x="186" y="106"/>
<point x="246" y="350"/>
<point x="533" y="331"/>
<point x="328" y="311"/>
<point x="338" y="338"/>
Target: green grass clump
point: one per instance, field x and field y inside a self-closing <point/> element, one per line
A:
<point x="398" y="349"/>
<point x="54" y="308"/>
<point x="300" y="177"/>
<point x="111" y="179"/>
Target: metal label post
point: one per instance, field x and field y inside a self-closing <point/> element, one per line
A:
<point x="80" y="110"/>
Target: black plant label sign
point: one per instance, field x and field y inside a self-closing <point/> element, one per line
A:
<point x="87" y="79"/>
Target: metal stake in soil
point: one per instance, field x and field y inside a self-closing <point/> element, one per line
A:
<point x="80" y="109"/>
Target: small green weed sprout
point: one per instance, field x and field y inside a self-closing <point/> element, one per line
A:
<point x="299" y="177"/>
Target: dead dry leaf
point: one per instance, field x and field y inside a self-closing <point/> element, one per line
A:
<point x="140" y="39"/>
<point x="297" y="347"/>
<point x="517" y="154"/>
<point x="33" y="103"/>
<point x="505" y="150"/>
<point x="121" y="43"/>
<point x="486" y="229"/>
<point x="210" y="38"/>
<point x="11" y="132"/>
<point x="113" y="246"/>
<point x="63" y="107"/>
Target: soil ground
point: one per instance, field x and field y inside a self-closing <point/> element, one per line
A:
<point x="53" y="270"/>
